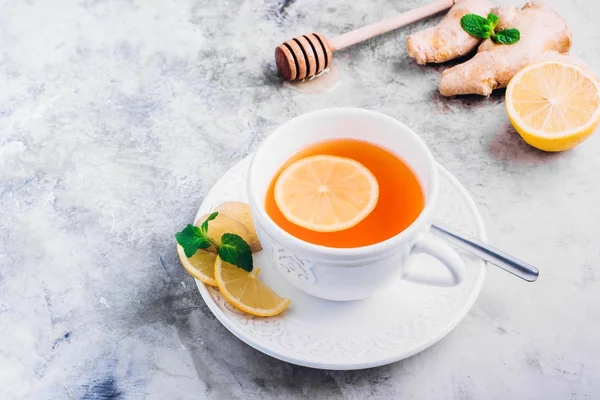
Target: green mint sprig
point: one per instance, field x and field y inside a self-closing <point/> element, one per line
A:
<point x="477" y="26"/>
<point x="507" y="36"/>
<point x="236" y="251"/>
<point x="204" y="226"/>
<point x="192" y="238"/>
<point x="233" y="248"/>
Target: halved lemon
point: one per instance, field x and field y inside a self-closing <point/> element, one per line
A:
<point x="326" y="193"/>
<point x="553" y="105"/>
<point x="202" y="265"/>
<point x="246" y="292"/>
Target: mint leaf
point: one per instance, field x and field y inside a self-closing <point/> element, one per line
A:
<point x="483" y="28"/>
<point x="204" y="225"/>
<point x="236" y="251"/>
<point x="477" y="26"/>
<point x="492" y="20"/>
<point x="191" y="239"/>
<point x="507" y="36"/>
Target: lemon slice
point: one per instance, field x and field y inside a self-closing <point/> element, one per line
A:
<point x="326" y="193"/>
<point x="246" y="292"/>
<point x="201" y="265"/>
<point x="553" y="105"/>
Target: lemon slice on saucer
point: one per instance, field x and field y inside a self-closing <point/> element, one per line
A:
<point x="326" y="193"/>
<point x="201" y="265"/>
<point x="246" y="292"/>
<point x="553" y="105"/>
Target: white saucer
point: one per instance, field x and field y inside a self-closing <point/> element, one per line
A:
<point x="401" y="320"/>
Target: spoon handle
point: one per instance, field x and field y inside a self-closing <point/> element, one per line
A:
<point x="378" y="28"/>
<point x="487" y="253"/>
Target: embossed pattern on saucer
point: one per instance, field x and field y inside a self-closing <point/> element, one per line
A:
<point x="401" y="320"/>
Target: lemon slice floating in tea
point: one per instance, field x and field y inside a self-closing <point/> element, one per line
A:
<point x="326" y="193"/>
<point x="244" y="291"/>
<point x="554" y="105"/>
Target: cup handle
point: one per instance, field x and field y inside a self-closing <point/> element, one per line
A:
<point x="447" y="255"/>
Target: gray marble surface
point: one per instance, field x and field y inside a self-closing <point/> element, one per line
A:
<point x="116" y="117"/>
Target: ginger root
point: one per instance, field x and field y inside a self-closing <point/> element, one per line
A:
<point x="544" y="36"/>
<point x="447" y="40"/>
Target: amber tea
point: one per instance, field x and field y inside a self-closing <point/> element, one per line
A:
<point x="400" y="200"/>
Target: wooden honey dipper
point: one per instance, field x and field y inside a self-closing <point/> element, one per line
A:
<point x="307" y="55"/>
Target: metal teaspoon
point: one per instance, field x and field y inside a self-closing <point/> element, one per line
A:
<point x="486" y="252"/>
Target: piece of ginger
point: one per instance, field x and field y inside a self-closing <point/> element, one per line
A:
<point x="447" y="40"/>
<point x="544" y="36"/>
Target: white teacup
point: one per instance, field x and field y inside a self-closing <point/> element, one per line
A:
<point x="349" y="273"/>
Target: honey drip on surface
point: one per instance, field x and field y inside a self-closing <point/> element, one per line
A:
<point x="323" y="82"/>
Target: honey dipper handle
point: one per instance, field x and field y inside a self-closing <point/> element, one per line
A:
<point x="378" y="28"/>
